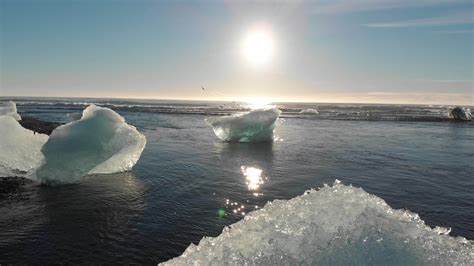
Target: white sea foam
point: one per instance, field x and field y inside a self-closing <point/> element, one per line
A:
<point x="20" y="148"/>
<point x="73" y="117"/>
<point x="338" y="225"/>
<point x="309" y="111"/>
<point x="253" y="126"/>
<point x="9" y="108"/>
<point x="99" y="142"/>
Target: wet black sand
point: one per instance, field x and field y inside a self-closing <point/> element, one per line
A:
<point x="37" y="125"/>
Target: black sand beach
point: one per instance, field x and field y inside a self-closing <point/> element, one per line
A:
<point x="37" y="125"/>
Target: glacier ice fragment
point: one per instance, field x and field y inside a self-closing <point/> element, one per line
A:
<point x="253" y="126"/>
<point x="9" y="108"/>
<point x="460" y="113"/>
<point x="99" y="142"/>
<point x="336" y="225"/>
<point x="20" y="148"/>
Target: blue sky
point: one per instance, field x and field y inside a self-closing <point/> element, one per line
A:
<point x="339" y="51"/>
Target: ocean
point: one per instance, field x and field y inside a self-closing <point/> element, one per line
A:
<point x="188" y="184"/>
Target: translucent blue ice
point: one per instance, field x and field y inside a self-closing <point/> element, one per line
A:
<point x="99" y="142"/>
<point x="253" y="126"/>
<point x="20" y="148"/>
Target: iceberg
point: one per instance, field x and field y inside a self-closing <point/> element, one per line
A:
<point x="253" y="126"/>
<point x="335" y="225"/>
<point x="100" y="142"/>
<point x="20" y="148"/>
<point x="460" y="113"/>
<point x="9" y="109"/>
<point x="309" y="111"/>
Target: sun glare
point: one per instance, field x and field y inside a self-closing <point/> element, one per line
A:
<point x="259" y="104"/>
<point x="253" y="177"/>
<point x="258" y="46"/>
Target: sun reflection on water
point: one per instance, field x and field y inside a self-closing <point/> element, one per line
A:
<point x="253" y="180"/>
<point x="253" y="177"/>
<point x="259" y="104"/>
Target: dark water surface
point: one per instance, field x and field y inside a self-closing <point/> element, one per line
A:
<point x="186" y="175"/>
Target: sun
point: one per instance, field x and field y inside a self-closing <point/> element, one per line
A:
<point x="258" y="45"/>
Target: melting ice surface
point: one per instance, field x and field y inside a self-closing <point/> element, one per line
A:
<point x="253" y="126"/>
<point x="99" y="142"/>
<point x="9" y="109"/>
<point x="338" y="225"/>
<point x="460" y="113"/>
<point x="20" y="148"/>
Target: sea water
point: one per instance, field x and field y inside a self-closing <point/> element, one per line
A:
<point x="188" y="184"/>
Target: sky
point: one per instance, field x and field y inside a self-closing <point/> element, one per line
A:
<point x="385" y="51"/>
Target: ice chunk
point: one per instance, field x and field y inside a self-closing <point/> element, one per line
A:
<point x="253" y="126"/>
<point x="309" y="111"/>
<point x="9" y="108"/>
<point x="100" y="142"/>
<point x="20" y="148"/>
<point x="460" y="113"/>
<point x="338" y="225"/>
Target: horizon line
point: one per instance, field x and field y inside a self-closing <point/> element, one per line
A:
<point x="224" y="100"/>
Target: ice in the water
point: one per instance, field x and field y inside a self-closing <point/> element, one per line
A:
<point x="99" y="142"/>
<point x="253" y="126"/>
<point x="336" y="225"/>
<point x="20" y="148"/>
<point x="309" y="111"/>
<point x="460" y="113"/>
<point x="9" y="108"/>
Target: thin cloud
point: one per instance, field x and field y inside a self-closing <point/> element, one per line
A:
<point x="451" y="19"/>
<point x="419" y="98"/>
<point x="455" y="31"/>
<point x="349" y="6"/>
<point x="462" y="81"/>
<point x="383" y="93"/>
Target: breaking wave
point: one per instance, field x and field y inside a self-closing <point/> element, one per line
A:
<point x="253" y="126"/>
<point x="335" y="225"/>
<point x="309" y="111"/>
